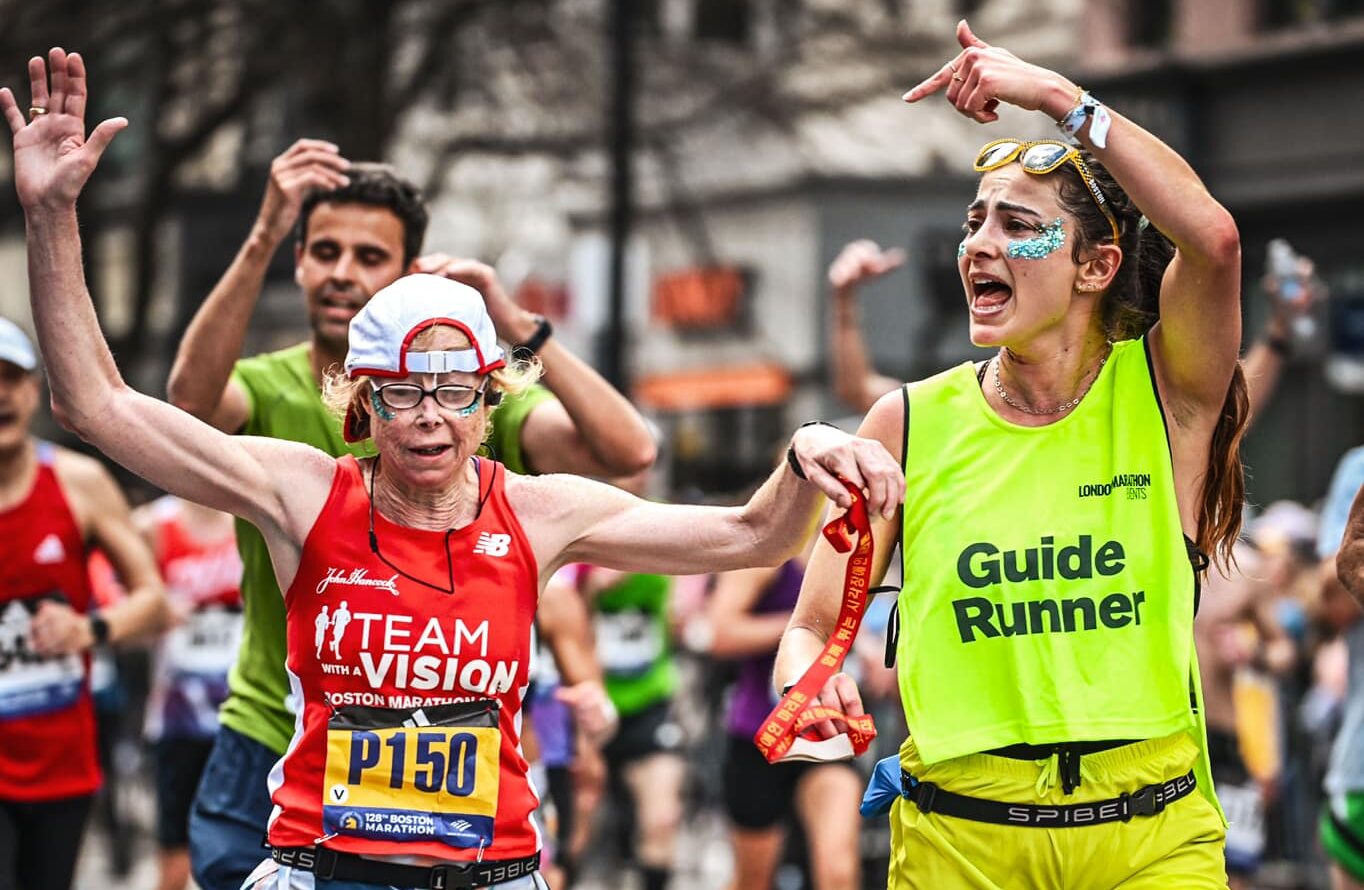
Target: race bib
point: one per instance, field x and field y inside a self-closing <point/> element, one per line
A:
<point x="1245" y="819"/>
<point x="206" y="644"/>
<point x="30" y="683"/>
<point x="628" y="643"/>
<point x="425" y="775"/>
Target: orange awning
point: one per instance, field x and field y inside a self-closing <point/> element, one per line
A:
<point x="732" y="387"/>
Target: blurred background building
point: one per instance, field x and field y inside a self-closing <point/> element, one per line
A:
<point x="763" y="134"/>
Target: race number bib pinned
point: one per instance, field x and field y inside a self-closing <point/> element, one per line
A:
<point x="425" y="775"/>
<point x="783" y="735"/>
<point x="30" y="683"/>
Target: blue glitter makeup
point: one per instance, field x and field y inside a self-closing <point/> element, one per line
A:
<point x="1049" y="240"/>
<point x="961" y="249"/>
<point x="379" y="407"/>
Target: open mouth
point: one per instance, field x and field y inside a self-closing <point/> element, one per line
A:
<point x="988" y="294"/>
<point x="430" y="450"/>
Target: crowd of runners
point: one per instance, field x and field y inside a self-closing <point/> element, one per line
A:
<point x="456" y="637"/>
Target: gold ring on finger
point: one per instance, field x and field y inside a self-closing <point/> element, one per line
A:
<point x="35" y="111"/>
<point x="958" y="77"/>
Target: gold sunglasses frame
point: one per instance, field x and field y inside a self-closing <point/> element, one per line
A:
<point x="1070" y="153"/>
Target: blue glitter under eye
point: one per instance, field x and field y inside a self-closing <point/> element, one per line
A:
<point x="961" y="249"/>
<point x="379" y="407"/>
<point x="1049" y="240"/>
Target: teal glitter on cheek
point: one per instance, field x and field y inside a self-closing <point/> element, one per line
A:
<point x="379" y="407"/>
<point x="1049" y="240"/>
<point x="961" y="249"/>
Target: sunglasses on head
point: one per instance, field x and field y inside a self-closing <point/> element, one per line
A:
<point x="1040" y="157"/>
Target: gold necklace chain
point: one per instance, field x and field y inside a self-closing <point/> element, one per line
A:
<point x="1066" y="406"/>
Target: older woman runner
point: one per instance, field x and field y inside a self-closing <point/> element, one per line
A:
<point x="1046" y="659"/>
<point x="405" y="769"/>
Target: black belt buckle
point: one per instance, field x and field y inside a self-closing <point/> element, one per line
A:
<point x="438" y="879"/>
<point x="1144" y="802"/>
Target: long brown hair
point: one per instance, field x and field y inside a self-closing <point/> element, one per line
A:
<point x="1131" y="306"/>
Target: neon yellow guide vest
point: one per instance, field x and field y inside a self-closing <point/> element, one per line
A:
<point x="1048" y="596"/>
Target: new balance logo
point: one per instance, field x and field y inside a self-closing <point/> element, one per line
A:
<point x="51" y="551"/>
<point x="490" y="544"/>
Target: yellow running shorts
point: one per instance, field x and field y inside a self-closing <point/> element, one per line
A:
<point x="1180" y="847"/>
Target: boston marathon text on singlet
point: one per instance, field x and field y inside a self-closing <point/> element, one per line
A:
<point x="47" y="721"/>
<point x="1048" y="596"/>
<point x="409" y="739"/>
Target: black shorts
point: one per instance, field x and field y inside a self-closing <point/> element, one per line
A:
<point x="179" y="765"/>
<point x="759" y="794"/>
<point x="650" y="731"/>
<point x="39" y="842"/>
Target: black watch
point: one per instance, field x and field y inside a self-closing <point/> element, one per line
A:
<point x="99" y="629"/>
<point x="543" y="331"/>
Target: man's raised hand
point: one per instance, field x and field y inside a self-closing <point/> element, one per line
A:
<point x="306" y="165"/>
<point x="52" y="156"/>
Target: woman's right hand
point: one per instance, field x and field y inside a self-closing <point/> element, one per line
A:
<point x="981" y="76"/>
<point x="825" y="453"/>
<point x="52" y="157"/>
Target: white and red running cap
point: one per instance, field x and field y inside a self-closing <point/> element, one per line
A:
<point x="382" y="331"/>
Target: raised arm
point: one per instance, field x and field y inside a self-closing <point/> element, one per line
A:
<point x="855" y="381"/>
<point x="592" y="429"/>
<point x="171" y="449"/>
<point x="201" y="377"/>
<point x="571" y="519"/>
<point x="1198" y="337"/>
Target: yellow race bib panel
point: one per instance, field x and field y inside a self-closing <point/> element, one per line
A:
<point x="429" y="774"/>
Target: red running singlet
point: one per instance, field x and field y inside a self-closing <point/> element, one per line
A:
<point x="408" y="740"/>
<point x="47" y="720"/>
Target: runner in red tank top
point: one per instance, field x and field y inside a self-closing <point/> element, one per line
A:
<point x="411" y="577"/>
<point x="51" y="503"/>
<point x="196" y="551"/>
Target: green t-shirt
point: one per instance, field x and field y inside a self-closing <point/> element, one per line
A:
<point x="631" y="626"/>
<point x="285" y="403"/>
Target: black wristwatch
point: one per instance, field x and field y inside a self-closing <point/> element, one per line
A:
<point x="543" y="331"/>
<point x="99" y="629"/>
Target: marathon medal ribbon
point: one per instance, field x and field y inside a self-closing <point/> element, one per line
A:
<point x="429" y="774"/>
<point x="784" y="734"/>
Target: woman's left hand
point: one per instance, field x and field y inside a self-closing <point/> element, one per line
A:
<point x="826" y="452"/>
<point x="981" y="76"/>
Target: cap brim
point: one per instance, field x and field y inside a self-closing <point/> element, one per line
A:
<point x="355" y="426"/>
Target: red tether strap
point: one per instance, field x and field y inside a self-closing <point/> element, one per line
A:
<point x="796" y="712"/>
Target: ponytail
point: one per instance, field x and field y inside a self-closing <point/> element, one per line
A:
<point x="1131" y="307"/>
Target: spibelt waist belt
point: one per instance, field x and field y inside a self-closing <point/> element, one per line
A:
<point x="334" y="865"/>
<point x="1147" y="801"/>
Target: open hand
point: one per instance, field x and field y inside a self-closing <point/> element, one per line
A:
<point x="825" y="453"/>
<point x="981" y="76"/>
<point x="52" y="156"/>
<point x="860" y="261"/>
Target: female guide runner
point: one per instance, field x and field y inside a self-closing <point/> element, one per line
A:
<point x="411" y="578"/>
<point x="1045" y="656"/>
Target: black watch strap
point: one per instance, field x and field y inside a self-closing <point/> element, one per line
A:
<point x="99" y="629"/>
<point x="543" y="331"/>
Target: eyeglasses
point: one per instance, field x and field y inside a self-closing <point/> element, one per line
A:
<point x="1041" y="157"/>
<point x="452" y="396"/>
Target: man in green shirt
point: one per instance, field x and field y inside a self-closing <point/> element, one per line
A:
<point x="360" y="227"/>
